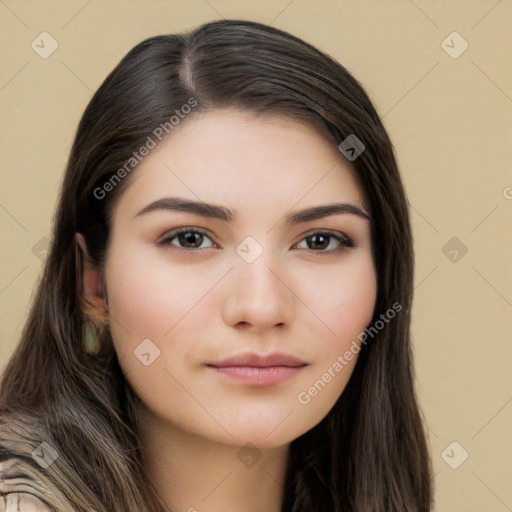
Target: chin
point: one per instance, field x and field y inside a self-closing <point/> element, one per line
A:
<point x="269" y="430"/>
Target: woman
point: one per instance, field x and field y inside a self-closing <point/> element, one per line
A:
<point x="223" y="318"/>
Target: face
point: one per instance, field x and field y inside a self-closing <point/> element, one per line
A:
<point x="234" y="322"/>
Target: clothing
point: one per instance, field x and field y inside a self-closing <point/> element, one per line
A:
<point x="19" y="490"/>
<point x="22" y="502"/>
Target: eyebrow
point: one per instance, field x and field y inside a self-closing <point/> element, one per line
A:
<point x="215" y="211"/>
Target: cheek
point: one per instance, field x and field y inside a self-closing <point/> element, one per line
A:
<point x="149" y="295"/>
<point x="353" y="306"/>
<point x="345" y="307"/>
<point x="147" y="300"/>
<point x="343" y="301"/>
<point x="153" y="299"/>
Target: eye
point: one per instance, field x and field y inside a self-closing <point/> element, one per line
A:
<point x="320" y="241"/>
<point x="187" y="239"/>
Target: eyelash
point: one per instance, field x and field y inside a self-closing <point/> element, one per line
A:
<point x="344" y="241"/>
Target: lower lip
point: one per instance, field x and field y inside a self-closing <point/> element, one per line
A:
<point x="259" y="376"/>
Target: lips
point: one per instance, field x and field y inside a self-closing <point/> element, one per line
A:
<point x="260" y="361"/>
<point x="261" y="370"/>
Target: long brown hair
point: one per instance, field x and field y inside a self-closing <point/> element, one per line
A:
<point x="370" y="452"/>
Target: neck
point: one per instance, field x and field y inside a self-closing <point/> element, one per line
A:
<point x="195" y="474"/>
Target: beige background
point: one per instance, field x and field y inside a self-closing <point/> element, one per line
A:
<point x="449" y="118"/>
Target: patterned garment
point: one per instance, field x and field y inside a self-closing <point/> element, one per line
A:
<point x="22" y="491"/>
<point x="22" y="502"/>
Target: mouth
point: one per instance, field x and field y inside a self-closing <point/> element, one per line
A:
<point x="259" y="369"/>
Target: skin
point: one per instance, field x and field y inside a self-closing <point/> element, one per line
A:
<point x="210" y="304"/>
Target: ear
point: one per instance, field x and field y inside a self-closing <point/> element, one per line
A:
<point x="91" y="289"/>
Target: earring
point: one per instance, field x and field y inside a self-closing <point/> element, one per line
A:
<point x="90" y="337"/>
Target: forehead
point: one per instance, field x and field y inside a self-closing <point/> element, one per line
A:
<point x="234" y="158"/>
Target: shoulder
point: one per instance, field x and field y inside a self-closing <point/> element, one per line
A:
<point x="17" y="491"/>
<point x="26" y="484"/>
<point x="22" y="502"/>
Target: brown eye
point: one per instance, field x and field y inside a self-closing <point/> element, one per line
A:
<point x="190" y="239"/>
<point x="185" y="238"/>
<point x="320" y="241"/>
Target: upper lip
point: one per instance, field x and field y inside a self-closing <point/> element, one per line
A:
<point x="260" y="360"/>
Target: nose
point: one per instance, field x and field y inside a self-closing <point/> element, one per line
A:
<point x="259" y="296"/>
